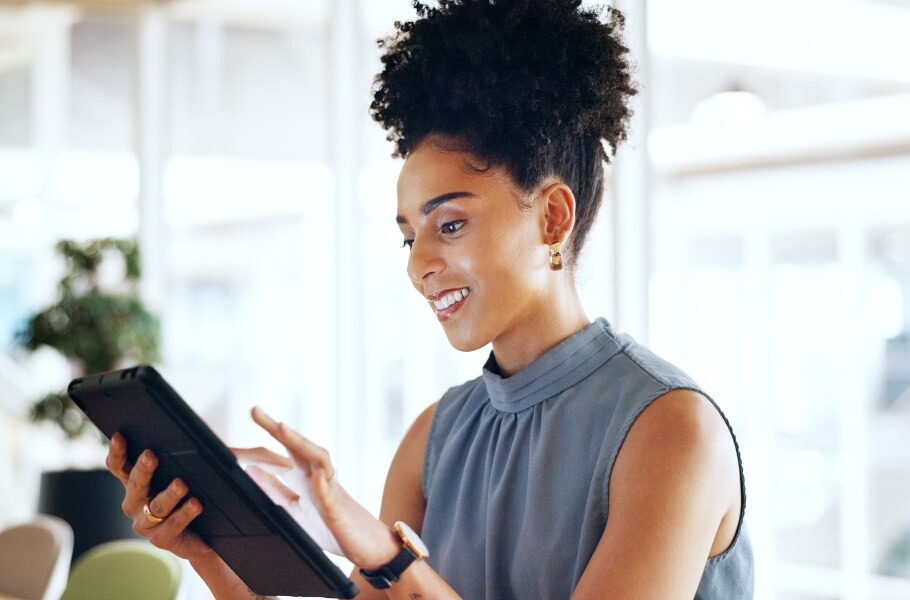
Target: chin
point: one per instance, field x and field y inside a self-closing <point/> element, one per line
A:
<point x="464" y="341"/>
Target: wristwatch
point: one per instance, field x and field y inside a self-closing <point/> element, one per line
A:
<point x="412" y="549"/>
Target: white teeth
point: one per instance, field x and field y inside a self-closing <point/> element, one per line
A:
<point x="451" y="298"/>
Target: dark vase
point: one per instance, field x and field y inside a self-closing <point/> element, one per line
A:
<point x="90" y="502"/>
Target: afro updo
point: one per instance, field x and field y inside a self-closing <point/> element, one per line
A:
<point x="533" y="86"/>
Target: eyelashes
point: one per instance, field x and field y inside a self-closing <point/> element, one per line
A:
<point x="449" y="228"/>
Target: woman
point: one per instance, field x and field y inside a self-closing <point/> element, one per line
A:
<point x="579" y="464"/>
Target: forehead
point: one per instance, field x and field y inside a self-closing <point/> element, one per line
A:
<point x="430" y="171"/>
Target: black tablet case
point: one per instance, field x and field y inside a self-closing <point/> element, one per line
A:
<point x="257" y="538"/>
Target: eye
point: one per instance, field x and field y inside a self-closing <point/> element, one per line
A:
<point x="451" y="227"/>
<point x="407" y="244"/>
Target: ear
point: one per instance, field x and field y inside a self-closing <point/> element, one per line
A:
<point x="558" y="205"/>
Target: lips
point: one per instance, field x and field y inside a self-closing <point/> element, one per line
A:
<point x="446" y="298"/>
<point x="446" y="302"/>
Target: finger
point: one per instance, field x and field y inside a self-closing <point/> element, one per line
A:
<point x="308" y="455"/>
<point x="273" y="487"/>
<point x="264" y="420"/>
<point x="173" y="527"/>
<point x="116" y="461"/>
<point x="263" y="456"/>
<point x="163" y="504"/>
<point x="137" y="485"/>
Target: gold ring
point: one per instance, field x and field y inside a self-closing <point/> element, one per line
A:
<point x="152" y="517"/>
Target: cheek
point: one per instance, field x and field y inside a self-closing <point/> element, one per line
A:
<point x="505" y="259"/>
<point x="520" y="248"/>
<point x="513" y="266"/>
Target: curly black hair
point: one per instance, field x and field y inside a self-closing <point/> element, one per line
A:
<point x="533" y="86"/>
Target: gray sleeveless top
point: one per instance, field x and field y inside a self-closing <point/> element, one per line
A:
<point x="517" y="470"/>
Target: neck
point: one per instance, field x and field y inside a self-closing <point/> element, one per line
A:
<point x="560" y="317"/>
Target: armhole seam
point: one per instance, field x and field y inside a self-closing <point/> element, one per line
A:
<point x="627" y="426"/>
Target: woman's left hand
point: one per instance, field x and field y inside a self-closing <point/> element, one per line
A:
<point x="346" y="527"/>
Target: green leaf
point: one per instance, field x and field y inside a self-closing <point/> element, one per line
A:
<point x="93" y="327"/>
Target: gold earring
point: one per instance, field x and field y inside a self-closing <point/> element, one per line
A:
<point x="556" y="256"/>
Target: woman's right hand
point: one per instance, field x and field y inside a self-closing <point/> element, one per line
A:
<point x="349" y="528"/>
<point x="170" y="533"/>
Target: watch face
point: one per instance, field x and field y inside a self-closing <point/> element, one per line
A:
<point x="411" y="539"/>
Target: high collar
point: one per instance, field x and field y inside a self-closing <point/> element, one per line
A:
<point x="555" y="371"/>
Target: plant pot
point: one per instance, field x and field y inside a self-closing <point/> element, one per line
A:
<point x="90" y="502"/>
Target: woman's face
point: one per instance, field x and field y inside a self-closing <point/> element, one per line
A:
<point x="478" y="258"/>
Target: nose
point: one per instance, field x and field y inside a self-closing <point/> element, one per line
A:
<point x="424" y="260"/>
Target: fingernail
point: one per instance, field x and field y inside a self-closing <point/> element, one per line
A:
<point x="147" y="458"/>
<point x="177" y="486"/>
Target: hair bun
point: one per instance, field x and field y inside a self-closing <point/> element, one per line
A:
<point x="517" y="69"/>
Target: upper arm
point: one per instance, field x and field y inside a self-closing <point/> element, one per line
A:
<point x="674" y="483"/>
<point x="402" y="497"/>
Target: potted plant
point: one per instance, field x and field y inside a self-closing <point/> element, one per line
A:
<point x="98" y="323"/>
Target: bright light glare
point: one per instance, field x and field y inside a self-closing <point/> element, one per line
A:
<point x="206" y="190"/>
<point x="851" y="39"/>
<point x="886" y="308"/>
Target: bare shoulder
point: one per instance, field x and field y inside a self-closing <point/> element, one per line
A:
<point x="681" y="420"/>
<point x="420" y="429"/>
<point x="413" y="445"/>
<point x="403" y="495"/>
<point x="674" y="500"/>
<point x="680" y="442"/>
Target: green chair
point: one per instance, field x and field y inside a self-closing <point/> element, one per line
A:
<point x="124" y="569"/>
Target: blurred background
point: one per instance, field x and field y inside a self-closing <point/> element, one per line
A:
<point x="756" y="231"/>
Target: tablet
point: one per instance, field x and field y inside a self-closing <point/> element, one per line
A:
<point x="258" y="539"/>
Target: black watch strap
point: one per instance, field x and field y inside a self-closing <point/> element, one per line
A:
<point x="384" y="577"/>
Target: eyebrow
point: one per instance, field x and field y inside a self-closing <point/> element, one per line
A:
<point x="434" y="203"/>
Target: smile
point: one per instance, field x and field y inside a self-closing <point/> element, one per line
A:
<point x="445" y="301"/>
